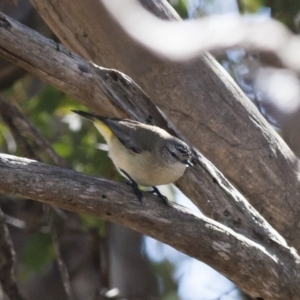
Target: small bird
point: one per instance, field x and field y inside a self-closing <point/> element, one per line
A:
<point x="146" y="155"/>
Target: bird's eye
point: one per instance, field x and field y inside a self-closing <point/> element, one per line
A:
<point x="173" y="154"/>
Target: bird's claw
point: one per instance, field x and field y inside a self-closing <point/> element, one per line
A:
<point x="159" y="195"/>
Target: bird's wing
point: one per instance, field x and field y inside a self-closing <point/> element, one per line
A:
<point x="124" y="131"/>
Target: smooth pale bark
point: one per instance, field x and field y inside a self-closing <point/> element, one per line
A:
<point x="255" y="270"/>
<point x="203" y="184"/>
<point x="213" y="33"/>
<point x="201" y="100"/>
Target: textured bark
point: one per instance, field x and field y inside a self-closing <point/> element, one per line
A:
<point x="25" y="13"/>
<point x="201" y="100"/>
<point x="237" y="134"/>
<point x="203" y="184"/>
<point x="254" y="269"/>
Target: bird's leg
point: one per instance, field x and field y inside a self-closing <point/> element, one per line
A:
<point x="159" y="195"/>
<point x="134" y="186"/>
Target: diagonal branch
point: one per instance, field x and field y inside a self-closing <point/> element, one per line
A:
<point x="256" y="271"/>
<point x="23" y="130"/>
<point x="64" y="274"/>
<point x="191" y="38"/>
<point x="65" y="70"/>
<point x="7" y="260"/>
<point x="203" y="184"/>
<point x="226" y="204"/>
<point x="200" y="99"/>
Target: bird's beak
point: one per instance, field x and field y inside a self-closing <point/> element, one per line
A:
<point x="187" y="163"/>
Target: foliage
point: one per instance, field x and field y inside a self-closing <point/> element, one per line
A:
<point x="37" y="255"/>
<point x="73" y="139"/>
<point x="181" y="7"/>
<point x="285" y="11"/>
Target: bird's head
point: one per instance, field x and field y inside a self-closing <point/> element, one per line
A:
<point x="175" y="151"/>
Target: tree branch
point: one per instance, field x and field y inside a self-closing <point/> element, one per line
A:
<point x="23" y="130"/>
<point x="201" y="100"/>
<point x="63" y="69"/>
<point x="250" y="266"/>
<point x="64" y="274"/>
<point x="191" y="38"/>
<point x="215" y="196"/>
<point x="226" y="204"/>
<point x="252" y="149"/>
<point x="7" y="260"/>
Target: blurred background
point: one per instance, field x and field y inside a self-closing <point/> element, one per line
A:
<point x="103" y="260"/>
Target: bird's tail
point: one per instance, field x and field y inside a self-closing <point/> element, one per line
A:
<point x="99" y="123"/>
<point x="85" y="114"/>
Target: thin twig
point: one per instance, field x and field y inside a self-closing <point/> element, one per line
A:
<point x="23" y="130"/>
<point x="7" y="260"/>
<point x="61" y="264"/>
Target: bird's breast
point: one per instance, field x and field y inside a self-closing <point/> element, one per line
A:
<point x="144" y="168"/>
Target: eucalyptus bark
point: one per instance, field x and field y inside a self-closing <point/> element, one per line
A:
<point x="203" y="184"/>
<point x="237" y="138"/>
<point x="257" y="271"/>
<point x="201" y="100"/>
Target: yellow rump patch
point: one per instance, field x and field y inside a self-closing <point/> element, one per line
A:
<point x="104" y="130"/>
